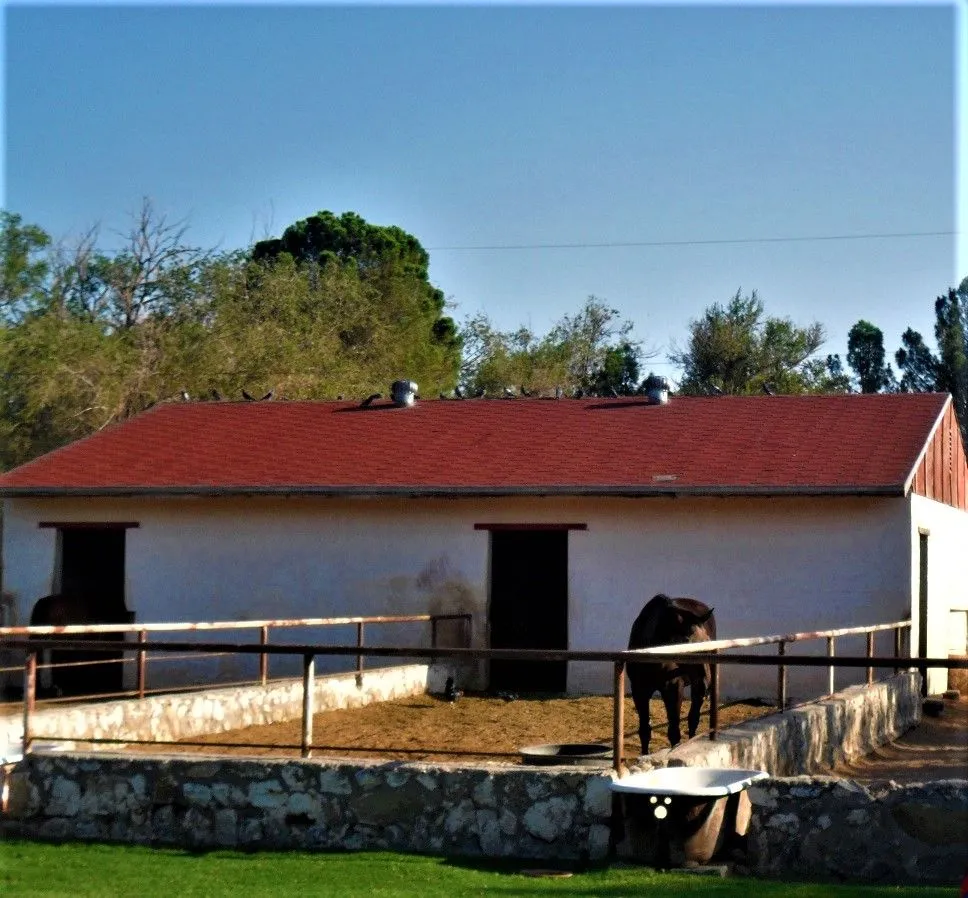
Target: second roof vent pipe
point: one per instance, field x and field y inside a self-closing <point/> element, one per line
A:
<point x="656" y="389"/>
<point x="403" y="393"/>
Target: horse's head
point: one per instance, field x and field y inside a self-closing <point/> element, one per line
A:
<point x="689" y="619"/>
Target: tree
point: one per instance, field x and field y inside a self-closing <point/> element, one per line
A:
<point x="23" y="267"/>
<point x="951" y="334"/>
<point x="384" y="256"/>
<point x="923" y="371"/>
<point x="590" y="352"/>
<point x="865" y="355"/>
<point x="737" y="349"/>
<point x="918" y="364"/>
<point x="618" y="374"/>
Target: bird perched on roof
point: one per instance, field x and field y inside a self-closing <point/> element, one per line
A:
<point x="216" y="395"/>
<point x="508" y="696"/>
<point x="714" y="390"/>
<point x="509" y="393"/>
<point x="526" y="393"/>
<point x="451" y="692"/>
<point x="369" y="400"/>
<point x="185" y="397"/>
<point x="247" y="397"/>
<point x="267" y="396"/>
<point x="768" y="389"/>
<point x="457" y="393"/>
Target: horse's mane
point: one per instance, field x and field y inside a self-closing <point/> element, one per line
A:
<point x="643" y="630"/>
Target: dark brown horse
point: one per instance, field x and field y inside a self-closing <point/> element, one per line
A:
<point x="61" y="610"/>
<point x="665" y="621"/>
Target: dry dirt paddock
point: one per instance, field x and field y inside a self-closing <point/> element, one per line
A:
<point x="475" y="728"/>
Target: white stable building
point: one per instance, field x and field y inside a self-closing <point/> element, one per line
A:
<point x="552" y="521"/>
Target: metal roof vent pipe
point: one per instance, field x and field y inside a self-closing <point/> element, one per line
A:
<point x="403" y="393"/>
<point x="656" y="389"/>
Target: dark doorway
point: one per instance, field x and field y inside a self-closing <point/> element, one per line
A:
<point x="923" y="607"/>
<point x="529" y="606"/>
<point x="92" y="568"/>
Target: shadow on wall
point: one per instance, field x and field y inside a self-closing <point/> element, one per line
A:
<point x="447" y="591"/>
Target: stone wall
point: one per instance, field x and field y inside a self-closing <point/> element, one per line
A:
<point x="818" y="828"/>
<point x="493" y="811"/>
<point x="809" y="738"/>
<point x="839" y="829"/>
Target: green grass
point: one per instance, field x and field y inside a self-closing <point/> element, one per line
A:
<point x="75" y="870"/>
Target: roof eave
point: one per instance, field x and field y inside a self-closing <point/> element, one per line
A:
<point x="445" y="491"/>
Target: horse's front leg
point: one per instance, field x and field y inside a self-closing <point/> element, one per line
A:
<point x="645" y="728"/>
<point x="642" y="710"/>
<point x="698" y="694"/>
<point x="672" y="699"/>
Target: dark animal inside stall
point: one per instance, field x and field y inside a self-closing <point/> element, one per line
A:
<point x="668" y="621"/>
<point x="87" y="675"/>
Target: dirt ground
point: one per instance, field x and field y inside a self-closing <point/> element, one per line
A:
<point x="475" y="728"/>
<point x="485" y="728"/>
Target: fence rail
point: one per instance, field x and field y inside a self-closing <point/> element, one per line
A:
<point x="702" y="653"/>
<point x="142" y="630"/>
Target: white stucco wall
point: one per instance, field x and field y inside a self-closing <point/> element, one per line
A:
<point x="767" y="565"/>
<point x="947" y="530"/>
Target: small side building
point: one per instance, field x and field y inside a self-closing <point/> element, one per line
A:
<point x="552" y="521"/>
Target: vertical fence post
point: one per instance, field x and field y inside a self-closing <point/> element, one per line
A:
<point x="870" y="654"/>
<point x="897" y="646"/>
<point x="142" y="662"/>
<point x="264" y="656"/>
<point x="359" y="658"/>
<point x="831" y="651"/>
<point x="618" y="719"/>
<point x="781" y="677"/>
<point x="30" y="695"/>
<point x="713" y="698"/>
<point x="309" y="671"/>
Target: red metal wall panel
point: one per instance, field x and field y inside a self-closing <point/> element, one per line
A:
<point x="942" y="473"/>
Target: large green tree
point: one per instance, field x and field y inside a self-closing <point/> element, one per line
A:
<point x="865" y="355"/>
<point x="738" y="349"/>
<point x="384" y="255"/>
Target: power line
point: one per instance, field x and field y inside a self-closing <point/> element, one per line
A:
<point x="718" y="242"/>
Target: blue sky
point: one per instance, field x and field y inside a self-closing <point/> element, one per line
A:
<point x="546" y="131"/>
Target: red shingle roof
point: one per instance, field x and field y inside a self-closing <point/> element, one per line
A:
<point x="724" y="444"/>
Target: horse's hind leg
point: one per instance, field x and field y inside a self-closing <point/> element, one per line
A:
<point x="672" y="699"/>
<point x="698" y="694"/>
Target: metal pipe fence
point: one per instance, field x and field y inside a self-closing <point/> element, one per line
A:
<point x="696" y="653"/>
<point x="141" y="631"/>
